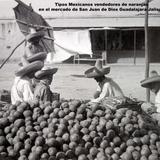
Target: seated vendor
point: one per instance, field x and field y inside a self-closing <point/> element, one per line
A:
<point x="33" y="45"/>
<point x="153" y="83"/>
<point x="106" y="86"/>
<point x="22" y="88"/>
<point x="42" y="90"/>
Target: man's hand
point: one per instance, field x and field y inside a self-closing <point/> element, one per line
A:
<point x="96" y="94"/>
<point x="93" y="106"/>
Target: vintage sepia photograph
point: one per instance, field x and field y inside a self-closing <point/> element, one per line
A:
<point x="79" y="80"/>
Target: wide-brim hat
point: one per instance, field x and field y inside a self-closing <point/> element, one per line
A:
<point x="154" y="78"/>
<point x="37" y="35"/>
<point x="97" y="70"/>
<point x="148" y="81"/>
<point x="29" y="68"/>
<point x="41" y="56"/>
<point x="45" y="71"/>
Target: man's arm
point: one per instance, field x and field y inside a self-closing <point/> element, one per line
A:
<point x="106" y="92"/>
<point x="97" y="92"/>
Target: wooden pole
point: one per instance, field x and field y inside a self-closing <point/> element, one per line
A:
<point x="106" y="46"/>
<point x="147" y="59"/>
<point x="134" y="46"/>
<point x="34" y="25"/>
<point x="44" y="46"/>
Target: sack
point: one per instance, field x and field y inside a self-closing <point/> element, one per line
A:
<point x="115" y="103"/>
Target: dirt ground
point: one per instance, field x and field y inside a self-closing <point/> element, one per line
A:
<point x="70" y="86"/>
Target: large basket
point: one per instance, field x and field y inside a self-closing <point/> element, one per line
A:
<point x="115" y="103"/>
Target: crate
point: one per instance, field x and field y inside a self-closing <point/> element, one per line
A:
<point x="5" y="96"/>
<point x="55" y="96"/>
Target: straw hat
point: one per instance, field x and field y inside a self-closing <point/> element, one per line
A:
<point x="97" y="70"/>
<point x="37" y="35"/>
<point x="41" y="56"/>
<point x="29" y="68"/>
<point x="154" y="78"/>
<point x="45" y="71"/>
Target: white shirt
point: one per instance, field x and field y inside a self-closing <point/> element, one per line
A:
<point x="108" y="88"/>
<point x="21" y="90"/>
<point x="157" y="101"/>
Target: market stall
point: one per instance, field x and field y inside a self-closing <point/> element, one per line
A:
<point x="72" y="129"/>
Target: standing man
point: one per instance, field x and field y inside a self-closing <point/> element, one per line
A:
<point x="22" y="88"/>
<point x="42" y="90"/>
<point x="34" y="40"/>
<point x="34" y="46"/>
<point x="106" y="86"/>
